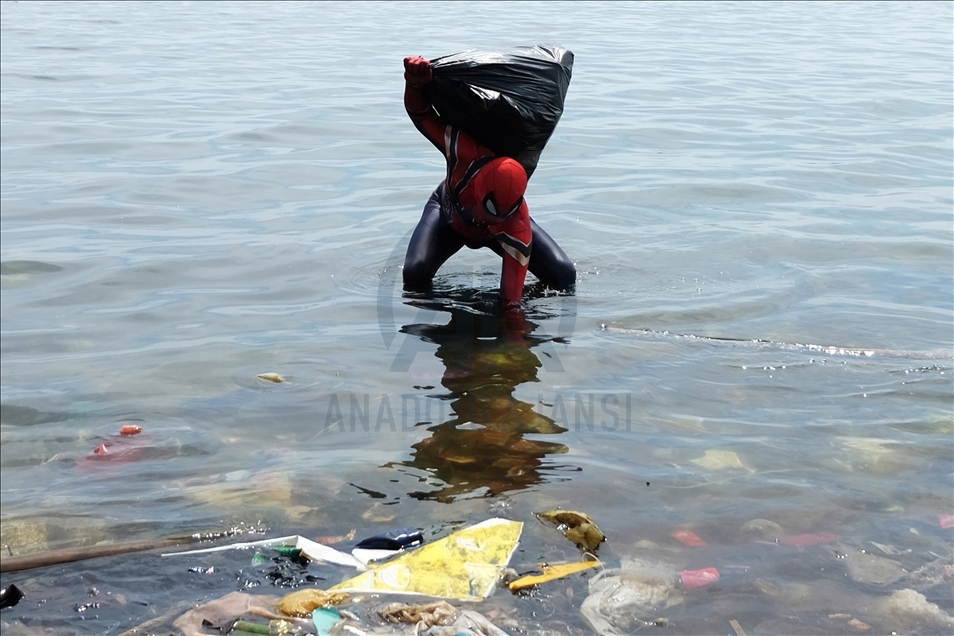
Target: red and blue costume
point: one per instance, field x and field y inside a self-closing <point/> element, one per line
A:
<point x="479" y="204"/>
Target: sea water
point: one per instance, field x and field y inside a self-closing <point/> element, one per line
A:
<point x="758" y="200"/>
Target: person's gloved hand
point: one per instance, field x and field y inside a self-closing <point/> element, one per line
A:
<point x="417" y="71"/>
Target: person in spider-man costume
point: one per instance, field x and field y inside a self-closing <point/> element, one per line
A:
<point x="479" y="204"/>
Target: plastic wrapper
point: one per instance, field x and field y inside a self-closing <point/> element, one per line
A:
<point x="464" y="565"/>
<point x="510" y="101"/>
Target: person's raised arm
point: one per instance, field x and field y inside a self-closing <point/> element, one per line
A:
<point x="417" y="73"/>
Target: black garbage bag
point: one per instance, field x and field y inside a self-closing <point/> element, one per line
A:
<point x="510" y="102"/>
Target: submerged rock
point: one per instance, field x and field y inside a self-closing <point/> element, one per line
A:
<point x="936" y="572"/>
<point x="763" y="528"/>
<point x="864" y="567"/>
<point x="907" y="609"/>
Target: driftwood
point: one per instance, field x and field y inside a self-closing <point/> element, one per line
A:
<point x="69" y="555"/>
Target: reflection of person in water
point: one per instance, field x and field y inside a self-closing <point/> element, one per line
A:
<point x="483" y="444"/>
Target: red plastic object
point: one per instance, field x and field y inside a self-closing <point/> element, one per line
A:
<point x="101" y="449"/>
<point x="130" y="429"/>
<point x="688" y="537"/>
<point x="802" y="540"/>
<point x="946" y="521"/>
<point x="699" y="578"/>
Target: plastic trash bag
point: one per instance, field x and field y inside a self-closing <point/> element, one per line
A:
<point x="621" y="601"/>
<point x="510" y="101"/>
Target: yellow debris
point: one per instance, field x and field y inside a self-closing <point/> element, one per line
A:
<point x="304" y="602"/>
<point x="551" y="573"/>
<point x="464" y="565"/>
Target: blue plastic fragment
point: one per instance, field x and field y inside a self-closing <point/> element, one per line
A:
<point x="325" y="619"/>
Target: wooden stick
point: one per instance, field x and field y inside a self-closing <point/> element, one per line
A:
<point x="69" y="555"/>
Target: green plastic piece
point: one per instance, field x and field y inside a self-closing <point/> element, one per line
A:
<point x="250" y="627"/>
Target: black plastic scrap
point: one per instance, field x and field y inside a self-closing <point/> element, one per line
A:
<point x="10" y="596"/>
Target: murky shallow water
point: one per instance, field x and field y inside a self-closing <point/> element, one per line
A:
<point x="758" y="199"/>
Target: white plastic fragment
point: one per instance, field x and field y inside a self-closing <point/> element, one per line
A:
<point x="311" y="549"/>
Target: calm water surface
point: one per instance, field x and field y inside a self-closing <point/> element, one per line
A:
<point x="758" y="198"/>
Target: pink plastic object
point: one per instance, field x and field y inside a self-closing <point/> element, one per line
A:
<point x="699" y="578"/>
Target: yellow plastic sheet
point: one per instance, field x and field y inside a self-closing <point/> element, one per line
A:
<point x="464" y="565"/>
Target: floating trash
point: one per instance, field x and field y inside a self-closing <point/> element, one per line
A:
<point x="576" y="526"/>
<point x="551" y="573"/>
<point x="688" y="537"/>
<point x="464" y="565"/>
<point x="304" y="602"/>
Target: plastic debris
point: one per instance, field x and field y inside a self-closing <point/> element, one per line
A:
<point x="688" y="537"/>
<point x="274" y="626"/>
<point x="464" y="565"/>
<point x="325" y="620"/>
<point x="311" y="549"/>
<point x="221" y="610"/>
<point x="804" y="540"/>
<point x="717" y="459"/>
<point x="946" y="521"/>
<point x="621" y="601"/>
<point x="248" y="627"/>
<point x="397" y="539"/>
<point x="10" y="596"/>
<point x="118" y="448"/>
<point x="270" y="377"/>
<point x="387" y="544"/>
<point x="437" y="613"/>
<point x="304" y="602"/>
<point x="470" y="623"/>
<point x="551" y="573"/>
<point x="576" y="526"/>
<point x="699" y="578"/>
